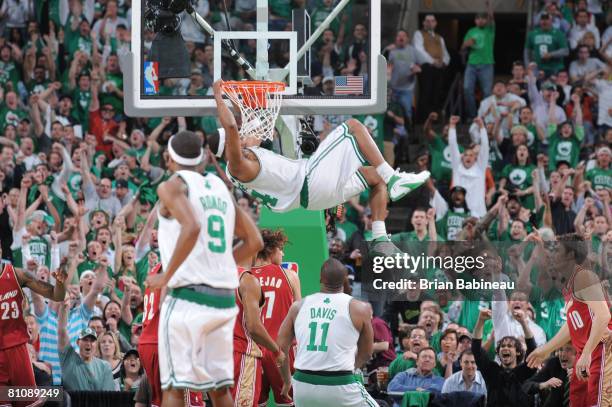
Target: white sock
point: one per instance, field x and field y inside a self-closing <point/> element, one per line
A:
<point x="385" y="171"/>
<point x="378" y="229"/>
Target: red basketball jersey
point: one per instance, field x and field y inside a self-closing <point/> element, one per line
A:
<point x="243" y="342"/>
<point x="278" y="294"/>
<point x="579" y="319"/>
<point x="150" y="313"/>
<point x="13" y="329"/>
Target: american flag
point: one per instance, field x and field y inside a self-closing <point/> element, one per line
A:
<point x="349" y="85"/>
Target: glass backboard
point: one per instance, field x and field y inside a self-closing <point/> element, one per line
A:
<point x="341" y="71"/>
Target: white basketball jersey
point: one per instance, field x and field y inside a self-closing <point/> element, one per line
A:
<point x="325" y="334"/>
<point x="211" y="261"/>
<point x="278" y="183"/>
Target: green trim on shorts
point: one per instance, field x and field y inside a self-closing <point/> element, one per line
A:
<point x="304" y="194"/>
<point x="171" y="304"/>
<point x="210" y="385"/>
<point x="362" y="179"/>
<point x="355" y="147"/>
<point x="215" y="301"/>
<point x="324" y="380"/>
<point x="366" y="396"/>
<point x="326" y="152"/>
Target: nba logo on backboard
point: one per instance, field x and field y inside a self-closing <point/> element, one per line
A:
<point x="151" y="82"/>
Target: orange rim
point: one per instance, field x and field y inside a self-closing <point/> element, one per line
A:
<point x="256" y="86"/>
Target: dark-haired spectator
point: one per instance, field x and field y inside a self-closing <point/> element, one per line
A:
<point x="546" y="46"/>
<point x="501" y="102"/>
<point x="560" y="21"/>
<point x="107" y="26"/>
<point x="468" y="379"/>
<point x="132" y="372"/>
<point x="584" y="66"/>
<point x="504" y="381"/>
<point x="479" y="42"/>
<point x="541" y="101"/>
<point x="562" y="202"/>
<point x="553" y="382"/>
<point x="424" y="223"/>
<point x="470" y="166"/>
<point x="383" y="352"/>
<point x="581" y="27"/>
<point x="431" y="80"/>
<point x="448" y="354"/>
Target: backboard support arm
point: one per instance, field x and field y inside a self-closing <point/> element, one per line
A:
<point x="226" y="44"/>
<point x="322" y="27"/>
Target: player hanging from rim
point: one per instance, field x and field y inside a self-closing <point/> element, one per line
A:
<point x="588" y="325"/>
<point x="249" y="335"/>
<point x="281" y="288"/>
<point x="336" y="172"/>
<point x="334" y="336"/>
<point x="198" y="220"/>
<point x="15" y="364"/>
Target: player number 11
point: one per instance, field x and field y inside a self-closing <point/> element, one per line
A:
<point x="313" y="336"/>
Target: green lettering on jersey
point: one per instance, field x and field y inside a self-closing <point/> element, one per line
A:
<point x="265" y="199"/>
<point x="313" y="337"/>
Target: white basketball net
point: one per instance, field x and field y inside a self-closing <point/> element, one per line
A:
<point x="259" y="104"/>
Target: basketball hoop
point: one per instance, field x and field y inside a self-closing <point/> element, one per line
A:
<point x="259" y="103"/>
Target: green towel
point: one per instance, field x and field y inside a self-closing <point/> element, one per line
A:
<point x="415" y="399"/>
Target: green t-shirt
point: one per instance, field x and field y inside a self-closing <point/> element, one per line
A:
<point x="600" y="177"/>
<point x="9" y="71"/>
<point x="450" y="225"/>
<point x="281" y="8"/>
<point x="542" y="42"/>
<point x="319" y="14"/>
<point x="10" y="116"/>
<point x="112" y="98"/>
<point x="80" y="108"/>
<point x="347" y="227"/>
<point x="481" y="52"/>
<point x="549" y="310"/>
<point x="441" y="168"/>
<point x="564" y="149"/>
<point x="79" y="43"/>
<point x="37" y="87"/>
<point x="39" y="247"/>
<point x="78" y="375"/>
<point x="401" y="365"/>
<point x="519" y="177"/>
<point x="408" y="237"/>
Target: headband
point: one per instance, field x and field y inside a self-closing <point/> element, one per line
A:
<point x="182" y="160"/>
<point x="221" y="147"/>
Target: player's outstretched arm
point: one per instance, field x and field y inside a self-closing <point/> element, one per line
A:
<point x="536" y="358"/>
<point x="286" y="334"/>
<point x="172" y="196"/>
<point x="247" y="231"/>
<point x="250" y="294"/>
<point x="361" y="314"/>
<point x="243" y="169"/>
<point x="55" y="292"/>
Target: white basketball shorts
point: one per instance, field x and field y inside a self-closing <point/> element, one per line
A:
<point x="196" y="343"/>
<point x="332" y="172"/>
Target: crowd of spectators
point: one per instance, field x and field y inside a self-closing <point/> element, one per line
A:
<point x="530" y="159"/>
